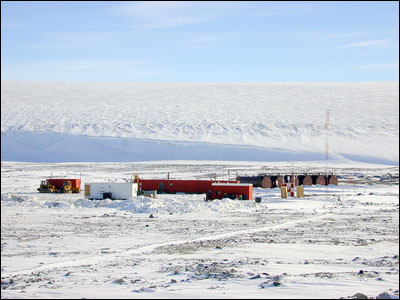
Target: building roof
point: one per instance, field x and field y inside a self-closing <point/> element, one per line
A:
<point x="232" y="184"/>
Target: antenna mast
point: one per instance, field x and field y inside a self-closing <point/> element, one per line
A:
<point x="328" y="111"/>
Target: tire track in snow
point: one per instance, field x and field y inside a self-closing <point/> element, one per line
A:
<point x="107" y="258"/>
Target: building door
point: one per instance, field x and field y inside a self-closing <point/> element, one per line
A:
<point x="161" y="187"/>
<point x="107" y="196"/>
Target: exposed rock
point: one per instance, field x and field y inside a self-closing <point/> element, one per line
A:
<point x="276" y="283"/>
<point x="119" y="281"/>
<point x="385" y="295"/>
<point x="143" y="289"/>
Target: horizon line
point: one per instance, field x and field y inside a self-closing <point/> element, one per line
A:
<point x="133" y="81"/>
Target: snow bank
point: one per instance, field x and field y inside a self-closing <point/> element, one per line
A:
<point x="8" y="199"/>
<point x="275" y="116"/>
<point x="165" y="204"/>
<point x="176" y="204"/>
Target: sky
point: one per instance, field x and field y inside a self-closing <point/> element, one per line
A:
<point x="200" y="41"/>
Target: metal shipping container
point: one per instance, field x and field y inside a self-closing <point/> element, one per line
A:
<point x="179" y="186"/>
<point x="243" y="191"/>
<point x="59" y="183"/>
<point x="112" y="190"/>
<point x="254" y="180"/>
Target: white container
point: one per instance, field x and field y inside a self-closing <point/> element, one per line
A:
<point x="118" y="190"/>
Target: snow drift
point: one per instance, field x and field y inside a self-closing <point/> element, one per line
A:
<point x="163" y="204"/>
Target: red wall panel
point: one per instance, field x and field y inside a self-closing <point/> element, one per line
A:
<point x="58" y="183"/>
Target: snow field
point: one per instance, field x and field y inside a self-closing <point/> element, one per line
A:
<point x="333" y="243"/>
<point x="44" y="119"/>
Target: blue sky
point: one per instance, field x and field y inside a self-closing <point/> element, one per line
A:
<point x="210" y="41"/>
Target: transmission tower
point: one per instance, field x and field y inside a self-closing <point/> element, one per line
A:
<point x="328" y="111"/>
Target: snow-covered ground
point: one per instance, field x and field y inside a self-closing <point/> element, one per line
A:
<point x="335" y="242"/>
<point x="122" y="121"/>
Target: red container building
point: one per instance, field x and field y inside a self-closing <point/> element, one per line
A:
<point x="243" y="191"/>
<point x="180" y="186"/>
<point x="59" y="183"/>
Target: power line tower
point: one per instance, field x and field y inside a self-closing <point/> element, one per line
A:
<point x="328" y="112"/>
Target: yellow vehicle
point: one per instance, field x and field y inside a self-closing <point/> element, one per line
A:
<point x="46" y="187"/>
<point x="67" y="187"/>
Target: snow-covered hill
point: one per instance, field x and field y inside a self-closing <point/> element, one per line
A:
<point x="74" y="121"/>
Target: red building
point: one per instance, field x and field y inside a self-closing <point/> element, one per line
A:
<point x="242" y="191"/>
<point x="214" y="189"/>
<point x="59" y="183"/>
<point x="180" y="186"/>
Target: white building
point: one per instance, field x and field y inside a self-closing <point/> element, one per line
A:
<point x="111" y="190"/>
